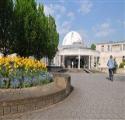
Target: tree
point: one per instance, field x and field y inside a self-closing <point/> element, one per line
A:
<point x="41" y="31"/>
<point x="26" y="30"/>
<point x="6" y="26"/>
<point x="93" y="47"/>
<point x="25" y="15"/>
<point x="52" y="37"/>
<point x="36" y="33"/>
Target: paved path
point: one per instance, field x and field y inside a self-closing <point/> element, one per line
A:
<point x="94" y="98"/>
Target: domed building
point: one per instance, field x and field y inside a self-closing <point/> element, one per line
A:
<point x="73" y="54"/>
<point x="72" y="38"/>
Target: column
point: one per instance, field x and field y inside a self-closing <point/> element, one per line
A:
<point x="122" y="47"/>
<point x="79" y="62"/>
<point x="89" y="62"/>
<point x="96" y="62"/>
<point x="59" y="63"/>
<point x="92" y="61"/>
<point x="110" y="48"/>
<point x="63" y="61"/>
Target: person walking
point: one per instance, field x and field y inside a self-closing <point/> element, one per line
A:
<point x="111" y="65"/>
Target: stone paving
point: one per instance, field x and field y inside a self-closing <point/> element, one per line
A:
<point x="94" y="98"/>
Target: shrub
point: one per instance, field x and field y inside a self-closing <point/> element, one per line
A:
<point x="122" y="65"/>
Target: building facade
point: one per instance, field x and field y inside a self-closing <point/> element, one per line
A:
<point x="116" y="49"/>
<point x="73" y="54"/>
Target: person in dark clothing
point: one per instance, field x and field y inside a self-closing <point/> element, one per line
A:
<point x="111" y="65"/>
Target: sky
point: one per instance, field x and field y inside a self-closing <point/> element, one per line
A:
<point x="96" y="21"/>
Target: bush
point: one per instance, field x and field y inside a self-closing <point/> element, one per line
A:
<point x="20" y="72"/>
<point x="122" y="65"/>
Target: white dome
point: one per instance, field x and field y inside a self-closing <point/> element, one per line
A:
<point x="72" y="38"/>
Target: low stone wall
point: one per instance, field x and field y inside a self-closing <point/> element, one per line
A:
<point x="119" y="70"/>
<point x="54" y="68"/>
<point x="29" y="99"/>
<point x="105" y="70"/>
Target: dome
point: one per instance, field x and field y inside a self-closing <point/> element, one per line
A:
<point x="72" y="38"/>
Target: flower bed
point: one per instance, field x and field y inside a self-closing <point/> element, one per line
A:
<point x="20" y="72"/>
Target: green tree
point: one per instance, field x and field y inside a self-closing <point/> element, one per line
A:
<point x="26" y="30"/>
<point x="25" y="15"/>
<point x="52" y="38"/>
<point x="40" y="42"/>
<point x="6" y="26"/>
<point x="93" y="47"/>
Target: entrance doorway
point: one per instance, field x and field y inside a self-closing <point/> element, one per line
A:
<point x="72" y="61"/>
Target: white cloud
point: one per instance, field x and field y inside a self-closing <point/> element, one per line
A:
<point x="48" y="10"/>
<point x="85" y="37"/>
<point x="85" y="7"/>
<point x="103" y="30"/>
<point x="60" y="8"/>
<point x="64" y="28"/>
<point x="71" y="15"/>
<point x="59" y="11"/>
<point x="121" y="23"/>
<point x="54" y="9"/>
<point x="83" y="34"/>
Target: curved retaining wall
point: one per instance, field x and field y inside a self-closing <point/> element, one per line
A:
<point x="119" y="70"/>
<point x="29" y="99"/>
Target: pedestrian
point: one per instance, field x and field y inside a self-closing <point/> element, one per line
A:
<point x="111" y="65"/>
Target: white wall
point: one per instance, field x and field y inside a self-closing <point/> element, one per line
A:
<point x="116" y="50"/>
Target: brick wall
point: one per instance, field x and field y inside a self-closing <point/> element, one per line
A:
<point x="53" y="94"/>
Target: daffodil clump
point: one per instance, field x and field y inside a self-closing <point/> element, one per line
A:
<point x="12" y="63"/>
<point x="18" y="72"/>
